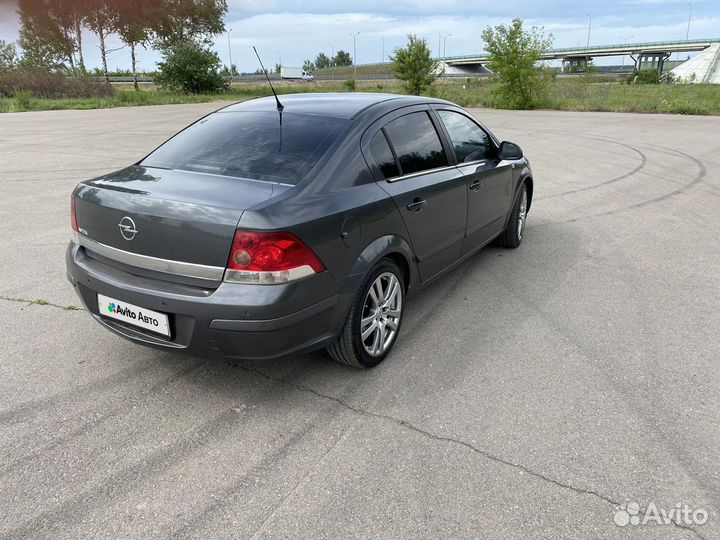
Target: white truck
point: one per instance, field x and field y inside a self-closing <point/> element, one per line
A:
<point x="295" y="73"/>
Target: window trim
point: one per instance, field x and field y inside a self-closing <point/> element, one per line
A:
<point x="493" y="141"/>
<point x="421" y="173"/>
<point x="441" y="138"/>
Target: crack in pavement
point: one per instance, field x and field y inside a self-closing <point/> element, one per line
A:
<point x="410" y="426"/>
<point x="41" y="302"/>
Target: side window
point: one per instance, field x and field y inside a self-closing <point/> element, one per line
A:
<point x="416" y="143"/>
<point x="380" y="150"/>
<point x="469" y="140"/>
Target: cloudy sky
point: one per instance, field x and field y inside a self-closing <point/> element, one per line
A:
<point x="292" y="30"/>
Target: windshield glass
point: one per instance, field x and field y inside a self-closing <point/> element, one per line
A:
<point x="250" y="145"/>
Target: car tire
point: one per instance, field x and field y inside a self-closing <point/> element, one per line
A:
<point x="377" y="313"/>
<point x="513" y="234"/>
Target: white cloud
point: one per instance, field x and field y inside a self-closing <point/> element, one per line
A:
<point x="299" y="29"/>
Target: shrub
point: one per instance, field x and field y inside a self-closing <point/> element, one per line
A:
<point x="191" y="68"/>
<point x="414" y="65"/>
<point x="668" y="77"/>
<point x="22" y="100"/>
<point x="350" y="85"/>
<point x="43" y="84"/>
<point x="646" y="76"/>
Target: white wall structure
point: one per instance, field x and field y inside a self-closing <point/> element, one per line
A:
<point x="705" y="66"/>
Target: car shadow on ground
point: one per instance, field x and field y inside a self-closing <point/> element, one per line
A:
<point x="317" y="372"/>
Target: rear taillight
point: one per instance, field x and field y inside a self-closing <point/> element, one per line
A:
<point x="73" y="219"/>
<point x="267" y="258"/>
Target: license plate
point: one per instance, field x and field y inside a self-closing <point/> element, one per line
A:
<point x="134" y="315"/>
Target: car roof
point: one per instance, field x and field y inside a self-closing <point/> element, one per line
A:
<point x="338" y="105"/>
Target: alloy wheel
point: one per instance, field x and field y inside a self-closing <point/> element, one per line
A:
<point x="381" y="314"/>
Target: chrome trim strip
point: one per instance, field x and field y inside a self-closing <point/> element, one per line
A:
<point x="421" y="173"/>
<point x="474" y="163"/>
<point x="178" y="268"/>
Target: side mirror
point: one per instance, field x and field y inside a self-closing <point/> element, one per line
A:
<point x="510" y="151"/>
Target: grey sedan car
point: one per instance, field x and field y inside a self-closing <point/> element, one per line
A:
<point x="264" y="230"/>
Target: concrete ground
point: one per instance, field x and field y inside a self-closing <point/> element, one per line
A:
<point x="531" y="393"/>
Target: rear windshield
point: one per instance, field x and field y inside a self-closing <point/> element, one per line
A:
<point x="250" y="145"/>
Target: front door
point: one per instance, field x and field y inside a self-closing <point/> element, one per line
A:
<point x="489" y="180"/>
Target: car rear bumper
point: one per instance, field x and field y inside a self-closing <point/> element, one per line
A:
<point x="231" y="321"/>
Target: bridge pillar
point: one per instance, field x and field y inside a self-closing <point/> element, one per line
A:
<point x="575" y="64"/>
<point x="651" y="60"/>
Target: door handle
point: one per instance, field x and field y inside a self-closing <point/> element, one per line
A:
<point x="476" y="185"/>
<point x="417" y="205"/>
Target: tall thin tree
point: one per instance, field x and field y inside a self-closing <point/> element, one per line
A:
<point x="133" y="29"/>
<point x="102" y="18"/>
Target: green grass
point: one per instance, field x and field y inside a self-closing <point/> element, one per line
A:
<point x="563" y="94"/>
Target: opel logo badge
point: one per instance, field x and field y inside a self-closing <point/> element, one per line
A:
<point x="127" y="228"/>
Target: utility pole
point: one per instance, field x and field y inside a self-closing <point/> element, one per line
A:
<point x="687" y="34"/>
<point x="589" y="27"/>
<point x="439" y="41"/>
<point x="355" y="35"/>
<point x="383" y="56"/>
<point x="230" y="52"/>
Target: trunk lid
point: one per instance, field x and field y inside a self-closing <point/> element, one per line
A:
<point x="168" y="214"/>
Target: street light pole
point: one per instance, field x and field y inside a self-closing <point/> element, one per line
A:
<point x="355" y="35"/>
<point x="687" y="34"/>
<point x="230" y="52"/>
<point x="439" y="41"/>
<point x="589" y="27"/>
<point x="445" y="45"/>
<point x="383" y="56"/>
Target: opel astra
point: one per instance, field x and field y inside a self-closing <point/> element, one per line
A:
<point x="267" y="229"/>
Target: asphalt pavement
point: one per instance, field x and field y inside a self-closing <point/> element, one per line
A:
<point x="532" y="392"/>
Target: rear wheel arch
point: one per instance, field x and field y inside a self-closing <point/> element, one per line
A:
<point x="392" y="246"/>
<point x="399" y="259"/>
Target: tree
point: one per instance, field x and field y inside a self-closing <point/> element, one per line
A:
<point x="513" y="54"/>
<point x="308" y="66"/>
<point x="176" y="21"/>
<point x="322" y="61"/>
<point x="192" y="68"/>
<point x="414" y="65"/>
<point x="342" y="58"/>
<point x="45" y="42"/>
<point x="8" y="55"/>
<point x="102" y="19"/>
<point x="278" y="68"/>
<point x="132" y="25"/>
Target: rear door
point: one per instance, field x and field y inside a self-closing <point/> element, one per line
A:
<point x="430" y="193"/>
<point x="489" y="180"/>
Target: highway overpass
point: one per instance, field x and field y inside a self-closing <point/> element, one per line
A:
<point x="645" y="55"/>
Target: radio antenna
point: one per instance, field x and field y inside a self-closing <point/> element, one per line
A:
<point x="280" y="106"/>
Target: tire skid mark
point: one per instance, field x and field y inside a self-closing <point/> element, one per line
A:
<point x="135" y="475"/>
<point x="236" y="488"/>
<point x="30" y="408"/>
<point x="702" y="172"/>
<point x="642" y="165"/>
<point x="122" y="406"/>
<point x="71" y="509"/>
<point x="628" y="174"/>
